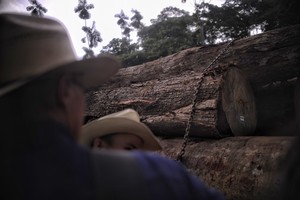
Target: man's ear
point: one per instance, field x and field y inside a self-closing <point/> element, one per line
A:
<point x="63" y="91"/>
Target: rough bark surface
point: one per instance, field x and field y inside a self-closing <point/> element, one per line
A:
<point x="162" y="90"/>
<point x="224" y="104"/>
<point x="244" y="168"/>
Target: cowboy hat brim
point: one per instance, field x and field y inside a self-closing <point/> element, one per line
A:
<point x="93" y="72"/>
<point x="99" y="128"/>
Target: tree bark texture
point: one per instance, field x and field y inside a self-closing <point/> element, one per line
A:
<point x="224" y="104"/>
<point x="243" y="168"/>
<point x="258" y="99"/>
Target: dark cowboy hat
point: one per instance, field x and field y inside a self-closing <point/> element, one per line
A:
<point x="32" y="46"/>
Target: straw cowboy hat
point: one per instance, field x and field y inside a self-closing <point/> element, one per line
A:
<point x="32" y="46"/>
<point x="125" y="121"/>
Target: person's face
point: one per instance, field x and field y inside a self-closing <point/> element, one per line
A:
<point x="120" y="141"/>
<point x="74" y="106"/>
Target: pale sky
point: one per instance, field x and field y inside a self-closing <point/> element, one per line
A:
<point x="103" y="14"/>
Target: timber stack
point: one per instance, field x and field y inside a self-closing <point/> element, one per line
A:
<point x="240" y="103"/>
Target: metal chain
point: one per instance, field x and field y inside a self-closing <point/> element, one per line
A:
<point x="206" y="71"/>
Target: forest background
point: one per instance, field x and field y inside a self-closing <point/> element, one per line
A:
<point x="175" y="29"/>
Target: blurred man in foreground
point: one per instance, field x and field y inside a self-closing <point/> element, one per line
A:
<point x="42" y="106"/>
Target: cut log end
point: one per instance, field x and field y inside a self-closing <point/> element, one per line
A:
<point x="238" y="103"/>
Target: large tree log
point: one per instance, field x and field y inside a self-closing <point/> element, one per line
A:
<point x="244" y="168"/>
<point x="224" y="104"/>
<point x="266" y="58"/>
<point x="162" y="90"/>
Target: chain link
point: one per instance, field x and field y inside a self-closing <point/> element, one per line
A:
<point x="206" y="71"/>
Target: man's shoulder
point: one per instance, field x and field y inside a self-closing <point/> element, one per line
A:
<point x="150" y="165"/>
<point x="172" y="180"/>
<point x="155" y="160"/>
<point x="160" y="176"/>
<point x="143" y="159"/>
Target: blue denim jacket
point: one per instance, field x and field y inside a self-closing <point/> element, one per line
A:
<point x="168" y="179"/>
<point x="49" y="164"/>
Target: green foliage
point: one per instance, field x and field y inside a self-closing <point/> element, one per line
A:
<point x="172" y="31"/>
<point x="89" y="53"/>
<point x="237" y="18"/>
<point x="83" y="8"/>
<point x="93" y="36"/>
<point x="169" y="12"/>
<point x="279" y="13"/>
<point x="36" y="8"/>
<point x="119" y="46"/>
<point x="126" y="51"/>
<point x="126" y="26"/>
<point x="136" y="20"/>
<point x="134" y="58"/>
<point x="224" y="22"/>
<point x="122" y="22"/>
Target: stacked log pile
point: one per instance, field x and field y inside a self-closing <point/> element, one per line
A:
<point x="239" y="107"/>
<point x="242" y="168"/>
